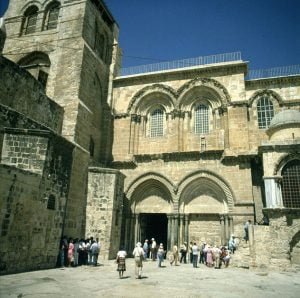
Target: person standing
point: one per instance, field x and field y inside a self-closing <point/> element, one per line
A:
<point x="195" y="250"/>
<point x="146" y="249"/>
<point x="175" y="255"/>
<point x="95" y="252"/>
<point x="183" y="251"/>
<point x="70" y="253"/>
<point x="138" y="254"/>
<point x="121" y="255"/>
<point x="160" y="254"/>
<point x="191" y="252"/>
<point x="153" y="249"/>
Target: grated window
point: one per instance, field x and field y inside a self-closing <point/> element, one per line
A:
<point x="291" y="184"/>
<point x="201" y="119"/>
<point x="265" y="112"/>
<point x="157" y="123"/>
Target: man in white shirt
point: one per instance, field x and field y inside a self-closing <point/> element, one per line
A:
<point x="138" y="254"/>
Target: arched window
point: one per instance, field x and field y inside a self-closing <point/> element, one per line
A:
<point x="265" y="112"/>
<point x="201" y="119"/>
<point x="52" y="13"/>
<point x="30" y="19"/>
<point x="291" y="184"/>
<point x="38" y="64"/>
<point x="157" y="123"/>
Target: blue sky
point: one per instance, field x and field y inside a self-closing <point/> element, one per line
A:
<point x="267" y="32"/>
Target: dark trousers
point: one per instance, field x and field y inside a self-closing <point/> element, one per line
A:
<point x="191" y="257"/>
<point x="183" y="257"/>
<point x="195" y="261"/>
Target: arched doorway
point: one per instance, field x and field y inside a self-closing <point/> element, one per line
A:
<point x="154" y="225"/>
<point x="204" y="201"/>
<point x="150" y="203"/>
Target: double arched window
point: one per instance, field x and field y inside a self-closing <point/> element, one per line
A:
<point x="30" y="20"/>
<point x="156" y="123"/>
<point x="201" y="119"/>
<point x="265" y="112"/>
<point x="291" y="184"/>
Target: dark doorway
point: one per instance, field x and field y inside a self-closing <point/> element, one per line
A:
<point x="155" y="226"/>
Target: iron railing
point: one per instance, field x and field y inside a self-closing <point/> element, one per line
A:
<point x="282" y="71"/>
<point x="168" y="65"/>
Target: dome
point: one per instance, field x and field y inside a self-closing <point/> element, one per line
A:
<point x="285" y="117"/>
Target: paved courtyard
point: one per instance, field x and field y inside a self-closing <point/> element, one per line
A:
<point x="180" y="281"/>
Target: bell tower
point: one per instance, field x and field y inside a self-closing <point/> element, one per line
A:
<point x="70" y="47"/>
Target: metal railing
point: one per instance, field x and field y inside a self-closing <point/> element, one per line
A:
<point x="282" y="71"/>
<point x="168" y="65"/>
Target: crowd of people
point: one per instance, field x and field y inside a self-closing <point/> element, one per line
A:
<point x="210" y="256"/>
<point x="75" y="252"/>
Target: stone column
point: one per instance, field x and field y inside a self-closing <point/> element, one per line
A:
<point x="136" y="228"/>
<point x="186" y="228"/>
<point x="222" y="220"/>
<point x="273" y="192"/>
<point x="230" y="225"/>
<point x="127" y="232"/>
<point x="176" y="224"/>
<point x="131" y="235"/>
<point x="181" y="229"/>
<point x="226" y="228"/>
<point x="169" y="230"/>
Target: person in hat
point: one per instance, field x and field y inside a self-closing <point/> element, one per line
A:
<point x="138" y="254"/>
<point x="160" y="254"/>
<point x="153" y="249"/>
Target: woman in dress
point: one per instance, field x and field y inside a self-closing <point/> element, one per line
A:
<point x="71" y="253"/>
<point x="209" y="257"/>
<point x="121" y="255"/>
<point x="160" y="254"/>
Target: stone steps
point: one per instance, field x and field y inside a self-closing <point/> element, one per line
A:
<point x="242" y="257"/>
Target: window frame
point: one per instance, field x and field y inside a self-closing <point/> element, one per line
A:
<point x="30" y="15"/>
<point x="53" y="7"/>
<point x="265" y="111"/>
<point x="201" y="120"/>
<point x="156" y="129"/>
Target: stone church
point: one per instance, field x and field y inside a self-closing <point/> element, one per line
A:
<point x="180" y="151"/>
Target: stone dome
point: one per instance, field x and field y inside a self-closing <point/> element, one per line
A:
<point x="285" y="117"/>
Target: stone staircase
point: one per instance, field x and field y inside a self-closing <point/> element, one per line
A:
<point x="242" y="256"/>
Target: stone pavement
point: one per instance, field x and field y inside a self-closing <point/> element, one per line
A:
<point x="179" y="281"/>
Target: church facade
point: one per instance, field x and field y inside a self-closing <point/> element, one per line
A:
<point x="187" y="152"/>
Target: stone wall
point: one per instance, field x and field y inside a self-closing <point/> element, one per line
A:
<point x="104" y="209"/>
<point x="20" y="92"/>
<point x="33" y="202"/>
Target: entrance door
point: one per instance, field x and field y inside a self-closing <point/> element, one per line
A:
<point x="154" y="226"/>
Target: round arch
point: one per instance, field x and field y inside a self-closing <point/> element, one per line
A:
<point x="141" y="100"/>
<point x="205" y="189"/>
<point x="286" y="158"/>
<point x="150" y="193"/>
<point x="272" y="94"/>
<point x="206" y="87"/>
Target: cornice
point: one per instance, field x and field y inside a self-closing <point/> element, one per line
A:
<point x="272" y="81"/>
<point x="292" y="147"/>
<point x="183" y="73"/>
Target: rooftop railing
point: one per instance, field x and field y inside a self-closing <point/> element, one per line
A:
<point x="282" y="71"/>
<point x="168" y="65"/>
